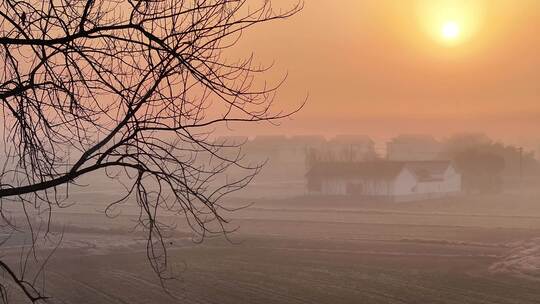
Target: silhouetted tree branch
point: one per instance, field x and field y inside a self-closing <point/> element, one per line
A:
<point x="130" y="88"/>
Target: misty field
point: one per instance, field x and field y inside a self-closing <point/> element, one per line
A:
<point x="317" y="250"/>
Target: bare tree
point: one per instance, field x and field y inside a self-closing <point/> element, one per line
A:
<point x="131" y="89"/>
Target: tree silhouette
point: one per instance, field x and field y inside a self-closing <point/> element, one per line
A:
<point x="132" y="90"/>
<point x="481" y="170"/>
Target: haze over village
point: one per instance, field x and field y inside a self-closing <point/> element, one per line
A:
<point x="355" y="165"/>
<point x="270" y="152"/>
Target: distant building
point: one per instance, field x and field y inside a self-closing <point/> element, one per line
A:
<point x="307" y="141"/>
<point x="301" y="145"/>
<point x="353" y="147"/>
<point x="285" y="157"/>
<point x="273" y="147"/>
<point x="385" y="180"/>
<point x="345" y="148"/>
<point x="414" y="148"/>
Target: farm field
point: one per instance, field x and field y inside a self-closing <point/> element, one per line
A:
<point x="302" y="251"/>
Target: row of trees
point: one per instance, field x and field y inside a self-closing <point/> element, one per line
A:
<point x="484" y="164"/>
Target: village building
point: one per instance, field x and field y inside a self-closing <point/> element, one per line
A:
<point x="285" y="157"/>
<point x="396" y="181"/>
<point x="345" y="148"/>
<point x="350" y="147"/>
<point x="268" y="147"/>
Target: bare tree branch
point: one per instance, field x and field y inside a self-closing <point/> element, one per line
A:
<point x="135" y="88"/>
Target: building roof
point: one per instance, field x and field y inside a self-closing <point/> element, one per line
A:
<point x="423" y="170"/>
<point x="374" y="169"/>
<point x="428" y="170"/>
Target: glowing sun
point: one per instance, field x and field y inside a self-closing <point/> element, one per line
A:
<point x="451" y="23"/>
<point x="450" y="30"/>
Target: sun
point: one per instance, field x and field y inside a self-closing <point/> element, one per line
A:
<point x="450" y="30"/>
<point x="452" y="23"/>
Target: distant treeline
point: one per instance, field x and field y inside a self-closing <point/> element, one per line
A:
<point x="486" y="165"/>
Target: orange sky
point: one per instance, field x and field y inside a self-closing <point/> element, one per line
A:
<point x="374" y="67"/>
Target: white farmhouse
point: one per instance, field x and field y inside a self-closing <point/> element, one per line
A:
<point x="385" y="180"/>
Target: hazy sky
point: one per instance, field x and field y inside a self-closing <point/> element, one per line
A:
<point x="383" y="67"/>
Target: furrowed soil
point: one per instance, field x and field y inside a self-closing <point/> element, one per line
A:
<point x="482" y="249"/>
